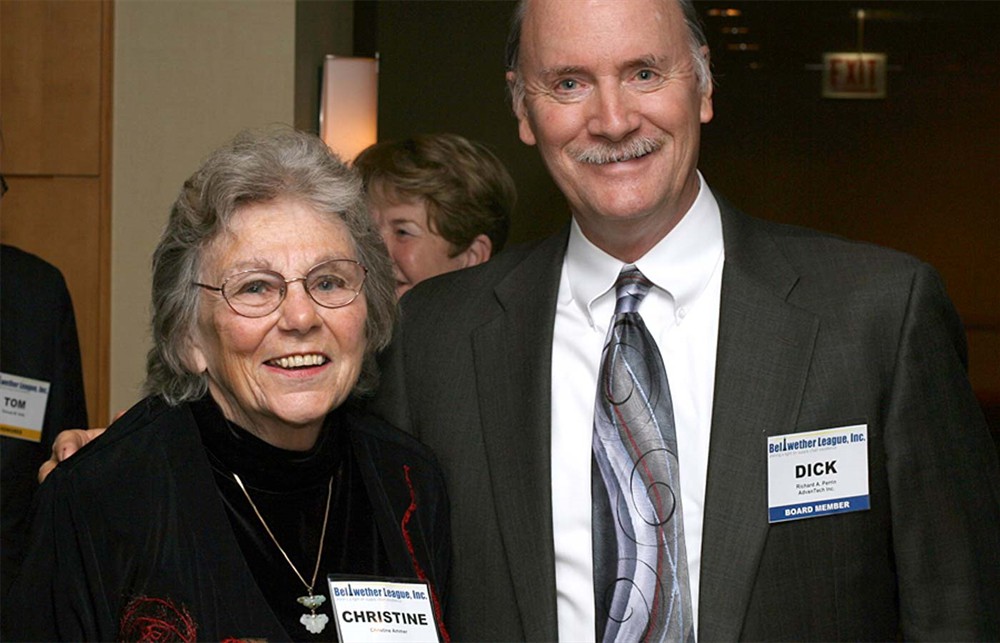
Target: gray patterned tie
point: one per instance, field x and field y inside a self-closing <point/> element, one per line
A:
<point x="645" y="595"/>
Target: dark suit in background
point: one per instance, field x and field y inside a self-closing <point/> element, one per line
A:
<point x="38" y="340"/>
<point x="815" y="332"/>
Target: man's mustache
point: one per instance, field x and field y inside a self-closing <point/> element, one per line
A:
<point x="601" y="153"/>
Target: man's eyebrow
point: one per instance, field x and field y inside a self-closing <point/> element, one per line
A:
<point x="565" y="70"/>
<point x="646" y="60"/>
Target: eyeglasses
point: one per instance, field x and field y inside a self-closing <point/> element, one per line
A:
<point x="256" y="293"/>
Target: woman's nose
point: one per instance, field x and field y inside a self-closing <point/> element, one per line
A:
<point x="298" y="310"/>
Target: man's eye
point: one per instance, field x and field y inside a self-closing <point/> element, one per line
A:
<point x="568" y="85"/>
<point x="646" y="74"/>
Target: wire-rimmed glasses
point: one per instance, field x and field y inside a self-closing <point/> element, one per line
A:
<point x="256" y="293"/>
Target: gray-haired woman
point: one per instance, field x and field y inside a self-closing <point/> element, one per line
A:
<point x="215" y="507"/>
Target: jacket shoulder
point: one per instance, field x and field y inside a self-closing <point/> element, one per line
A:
<point x="130" y="444"/>
<point x="821" y="262"/>
<point x="806" y="247"/>
<point x="459" y="300"/>
<point x="387" y="445"/>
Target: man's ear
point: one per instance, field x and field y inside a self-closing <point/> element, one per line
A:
<point x="479" y="251"/>
<point x="520" y="109"/>
<point x="707" y="110"/>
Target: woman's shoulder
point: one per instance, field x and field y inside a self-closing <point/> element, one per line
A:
<point x="144" y="435"/>
<point x="368" y="427"/>
<point x="387" y="446"/>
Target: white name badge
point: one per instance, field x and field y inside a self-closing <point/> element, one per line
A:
<point x="366" y="609"/>
<point x="817" y="473"/>
<point x="22" y="407"/>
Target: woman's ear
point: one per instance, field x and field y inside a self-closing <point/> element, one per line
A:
<point x="479" y="251"/>
<point x="194" y="354"/>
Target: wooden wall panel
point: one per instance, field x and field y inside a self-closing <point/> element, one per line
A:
<point x="51" y="94"/>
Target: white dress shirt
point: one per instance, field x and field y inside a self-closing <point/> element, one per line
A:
<point x="682" y="313"/>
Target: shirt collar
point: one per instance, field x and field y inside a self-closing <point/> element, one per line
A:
<point x="681" y="263"/>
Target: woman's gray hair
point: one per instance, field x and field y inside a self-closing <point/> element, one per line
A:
<point x="696" y="40"/>
<point x="257" y="166"/>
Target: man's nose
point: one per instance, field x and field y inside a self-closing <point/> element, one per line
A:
<point x="614" y="112"/>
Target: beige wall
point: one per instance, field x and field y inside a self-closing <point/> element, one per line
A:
<point x="188" y="75"/>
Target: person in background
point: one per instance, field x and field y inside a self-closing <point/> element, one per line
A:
<point x="38" y="341"/>
<point x="442" y="203"/>
<point x="215" y="508"/>
<point x="767" y="334"/>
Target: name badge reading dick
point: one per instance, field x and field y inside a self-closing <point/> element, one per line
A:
<point x="817" y="473"/>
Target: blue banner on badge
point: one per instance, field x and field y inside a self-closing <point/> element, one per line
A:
<point x="818" y="473"/>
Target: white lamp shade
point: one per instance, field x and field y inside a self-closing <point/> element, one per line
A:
<point x="348" y="119"/>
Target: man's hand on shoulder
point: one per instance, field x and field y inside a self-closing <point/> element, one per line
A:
<point x="66" y="444"/>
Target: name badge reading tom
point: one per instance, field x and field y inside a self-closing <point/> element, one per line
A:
<point x="22" y="407"/>
<point x="817" y="473"/>
<point x="369" y="609"/>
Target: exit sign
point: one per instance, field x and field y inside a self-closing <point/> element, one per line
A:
<point x="853" y="75"/>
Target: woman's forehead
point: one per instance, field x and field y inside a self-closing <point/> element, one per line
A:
<point x="272" y="235"/>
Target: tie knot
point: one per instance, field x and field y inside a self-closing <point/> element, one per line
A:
<point x="630" y="288"/>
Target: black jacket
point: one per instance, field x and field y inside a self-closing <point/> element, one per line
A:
<point x="38" y="340"/>
<point x="137" y="515"/>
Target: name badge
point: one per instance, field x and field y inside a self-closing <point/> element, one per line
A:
<point x="817" y="473"/>
<point x="22" y="407"/>
<point x="367" y="609"/>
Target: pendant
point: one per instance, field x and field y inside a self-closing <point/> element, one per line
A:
<point x="312" y="601"/>
<point x="313" y="622"/>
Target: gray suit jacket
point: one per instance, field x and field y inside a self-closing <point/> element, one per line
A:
<point x="815" y="332"/>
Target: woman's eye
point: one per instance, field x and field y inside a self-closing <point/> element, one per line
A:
<point x="256" y="287"/>
<point x="327" y="284"/>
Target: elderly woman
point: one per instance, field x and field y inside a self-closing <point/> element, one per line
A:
<point x="215" y="508"/>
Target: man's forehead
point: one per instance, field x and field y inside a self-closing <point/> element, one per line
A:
<point x="573" y="34"/>
<point x="559" y="12"/>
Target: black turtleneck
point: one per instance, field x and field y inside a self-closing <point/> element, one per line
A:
<point x="289" y="489"/>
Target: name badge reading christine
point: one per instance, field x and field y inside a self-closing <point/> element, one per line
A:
<point x="817" y="473"/>
<point x="22" y="407"/>
<point x="368" y="609"/>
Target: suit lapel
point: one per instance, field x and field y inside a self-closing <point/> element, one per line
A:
<point x="513" y="356"/>
<point x="765" y="347"/>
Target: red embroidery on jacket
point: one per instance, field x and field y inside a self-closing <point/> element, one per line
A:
<point x="413" y="556"/>
<point x="158" y="620"/>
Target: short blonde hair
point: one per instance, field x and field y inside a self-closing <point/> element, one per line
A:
<point x="466" y="189"/>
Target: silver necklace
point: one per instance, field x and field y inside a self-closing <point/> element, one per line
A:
<point x="312" y="621"/>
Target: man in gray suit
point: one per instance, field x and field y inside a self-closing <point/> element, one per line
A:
<point x="837" y="477"/>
